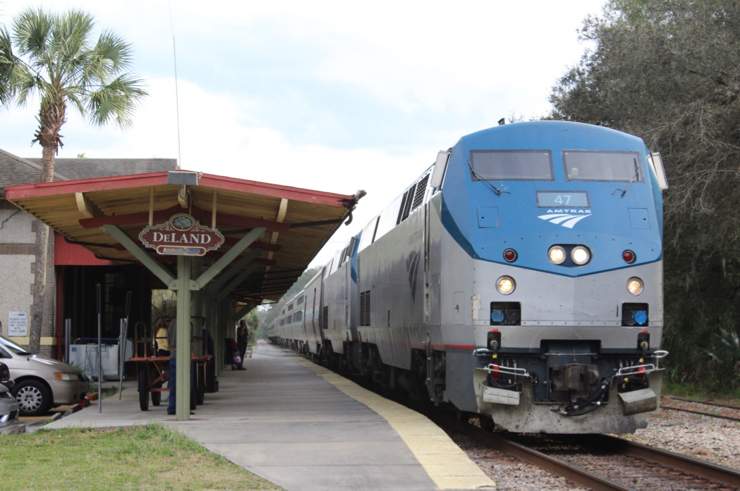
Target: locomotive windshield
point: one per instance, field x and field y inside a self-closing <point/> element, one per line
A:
<point x="511" y="165"/>
<point x="602" y="166"/>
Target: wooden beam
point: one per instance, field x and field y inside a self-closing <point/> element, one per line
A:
<point x="201" y="215"/>
<point x="241" y="312"/>
<point x="232" y="271"/>
<point x="157" y="269"/>
<point x="213" y="209"/>
<point x="183" y="196"/>
<point x="86" y="206"/>
<point x="151" y="206"/>
<point x="227" y="258"/>
<point x="236" y="281"/>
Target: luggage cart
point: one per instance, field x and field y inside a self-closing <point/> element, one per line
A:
<point x="154" y="371"/>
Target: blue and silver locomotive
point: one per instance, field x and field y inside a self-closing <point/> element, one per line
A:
<point x="519" y="278"/>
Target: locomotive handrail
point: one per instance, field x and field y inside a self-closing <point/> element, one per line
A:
<point x="636" y="370"/>
<point x="520" y="372"/>
<point x="660" y="354"/>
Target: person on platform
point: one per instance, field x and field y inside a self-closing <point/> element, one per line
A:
<point x="161" y="336"/>
<point x="242" y="339"/>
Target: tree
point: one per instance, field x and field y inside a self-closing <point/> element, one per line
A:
<point x="667" y="71"/>
<point x="253" y="322"/>
<point x="52" y="56"/>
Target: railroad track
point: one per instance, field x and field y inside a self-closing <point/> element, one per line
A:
<point x="726" y="409"/>
<point x="598" y="462"/>
<point x="601" y="462"/>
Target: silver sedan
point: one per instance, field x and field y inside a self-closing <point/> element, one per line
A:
<point x="41" y="383"/>
<point x="8" y="407"/>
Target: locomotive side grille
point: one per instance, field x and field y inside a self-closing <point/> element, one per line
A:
<point x="407" y="203"/>
<point x="420" y="190"/>
<point x="406" y="199"/>
<point x="365" y="308"/>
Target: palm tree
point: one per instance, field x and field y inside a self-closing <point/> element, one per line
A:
<point x="52" y="56"/>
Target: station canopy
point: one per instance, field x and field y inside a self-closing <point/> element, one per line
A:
<point x="286" y="226"/>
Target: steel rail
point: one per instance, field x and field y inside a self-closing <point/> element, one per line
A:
<point x="701" y="413"/>
<point x="568" y="471"/>
<point x="728" y="406"/>
<point x="687" y="464"/>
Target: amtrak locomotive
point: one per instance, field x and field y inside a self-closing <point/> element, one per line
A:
<point x="519" y="278"/>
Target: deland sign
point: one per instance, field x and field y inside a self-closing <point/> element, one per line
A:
<point x="181" y="235"/>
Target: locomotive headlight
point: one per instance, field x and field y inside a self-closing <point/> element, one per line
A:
<point x="635" y="286"/>
<point x="505" y="285"/>
<point x="556" y="254"/>
<point x="580" y="255"/>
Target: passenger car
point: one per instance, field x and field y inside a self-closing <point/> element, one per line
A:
<point x="41" y="383"/>
<point x="8" y="406"/>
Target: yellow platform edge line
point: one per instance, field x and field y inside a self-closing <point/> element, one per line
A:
<point x="423" y="438"/>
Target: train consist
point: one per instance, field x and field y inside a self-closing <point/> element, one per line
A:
<point x="520" y="278"/>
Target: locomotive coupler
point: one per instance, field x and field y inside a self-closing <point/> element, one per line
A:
<point x="579" y="379"/>
<point x="595" y="400"/>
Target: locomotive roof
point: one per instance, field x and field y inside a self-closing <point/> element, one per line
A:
<point x="539" y="133"/>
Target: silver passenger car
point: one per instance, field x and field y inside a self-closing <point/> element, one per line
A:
<point x="41" y="383"/>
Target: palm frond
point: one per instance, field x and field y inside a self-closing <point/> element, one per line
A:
<point x="115" y="101"/>
<point x="114" y="50"/>
<point x="73" y="32"/>
<point x="7" y="87"/>
<point x="32" y="30"/>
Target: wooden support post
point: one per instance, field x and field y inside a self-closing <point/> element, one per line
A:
<point x="183" y="339"/>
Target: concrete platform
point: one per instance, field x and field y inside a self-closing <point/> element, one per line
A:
<point x="305" y="428"/>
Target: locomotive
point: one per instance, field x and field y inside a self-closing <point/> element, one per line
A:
<point x="519" y="278"/>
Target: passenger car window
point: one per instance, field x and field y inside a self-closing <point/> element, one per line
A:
<point x="581" y="165"/>
<point x="511" y="165"/>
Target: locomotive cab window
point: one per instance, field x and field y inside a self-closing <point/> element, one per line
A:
<point x="511" y="165"/>
<point x="602" y="166"/>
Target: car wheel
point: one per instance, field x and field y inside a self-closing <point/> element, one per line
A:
<point x="33" y="397"/>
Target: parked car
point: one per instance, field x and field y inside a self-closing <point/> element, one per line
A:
<point x="41" y="383"/>
<point x="8" y="407"/>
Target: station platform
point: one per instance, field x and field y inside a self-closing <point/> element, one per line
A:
<point x="303" y="427"/>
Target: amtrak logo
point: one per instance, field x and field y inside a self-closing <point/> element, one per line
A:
<point x="565" y="218"/>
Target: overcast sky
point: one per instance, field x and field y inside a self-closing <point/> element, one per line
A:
<point x="329" y="95"/>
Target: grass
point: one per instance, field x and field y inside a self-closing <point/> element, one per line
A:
<point x="690" y="391"/>
<point x="149" y="457"/>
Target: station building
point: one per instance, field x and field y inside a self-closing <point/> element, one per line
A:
<point x="136" y="232"/>
<point x="72" y="270"/>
